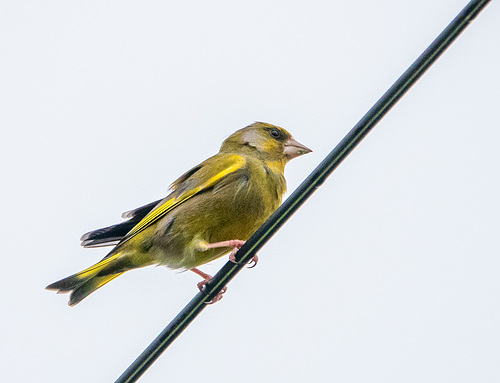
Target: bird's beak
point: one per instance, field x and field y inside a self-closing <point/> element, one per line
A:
<point x="294" y="149"/>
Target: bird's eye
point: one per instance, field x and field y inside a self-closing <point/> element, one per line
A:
<point x="275" y="133"/>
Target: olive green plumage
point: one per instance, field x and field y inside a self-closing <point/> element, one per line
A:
<point x="226" y="197"/>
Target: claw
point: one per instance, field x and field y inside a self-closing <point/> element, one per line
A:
<point x="232" y="256"/>
<point x="253" y="262"/>
<point x="201" y="285"/>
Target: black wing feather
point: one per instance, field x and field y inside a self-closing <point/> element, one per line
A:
<point x="111" y="235"/>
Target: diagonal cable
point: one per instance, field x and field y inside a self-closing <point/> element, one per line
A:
<point x="304" y="191"/>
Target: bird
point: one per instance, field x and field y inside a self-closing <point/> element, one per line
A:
<point x="211" y="211"/>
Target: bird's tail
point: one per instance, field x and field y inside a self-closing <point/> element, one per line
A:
<point x="82" y="284"/>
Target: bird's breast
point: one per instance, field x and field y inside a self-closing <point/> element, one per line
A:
<point x="233" y="209"/>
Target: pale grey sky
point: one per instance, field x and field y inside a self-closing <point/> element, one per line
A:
<point x="389" y="273"/>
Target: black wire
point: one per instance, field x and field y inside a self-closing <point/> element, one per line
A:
<point x="303" y="192"/>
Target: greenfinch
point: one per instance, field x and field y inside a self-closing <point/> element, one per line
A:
<point x="211" y="210"/>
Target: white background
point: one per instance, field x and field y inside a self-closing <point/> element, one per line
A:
<point x="389" y="273"/>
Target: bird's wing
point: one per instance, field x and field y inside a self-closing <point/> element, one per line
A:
<point x="204" y="176"/>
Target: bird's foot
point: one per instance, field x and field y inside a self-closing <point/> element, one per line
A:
<point x="201" y="285"/>
<point x="252" y="263"/>
<point x="236" y="244"/>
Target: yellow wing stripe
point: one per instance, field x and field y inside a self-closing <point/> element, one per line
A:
<point x="162" y="210"/>
<point x="153" y="216"/>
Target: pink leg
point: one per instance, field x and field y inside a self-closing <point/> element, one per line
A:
<point x="206" y="278"/>
<point x="236" y="245"/>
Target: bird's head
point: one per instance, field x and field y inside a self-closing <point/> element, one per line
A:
<point x="267" y="142"/>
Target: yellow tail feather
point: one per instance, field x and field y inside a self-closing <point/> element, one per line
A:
<point x="88" y="287"/>
<point x="87" y="281"/>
